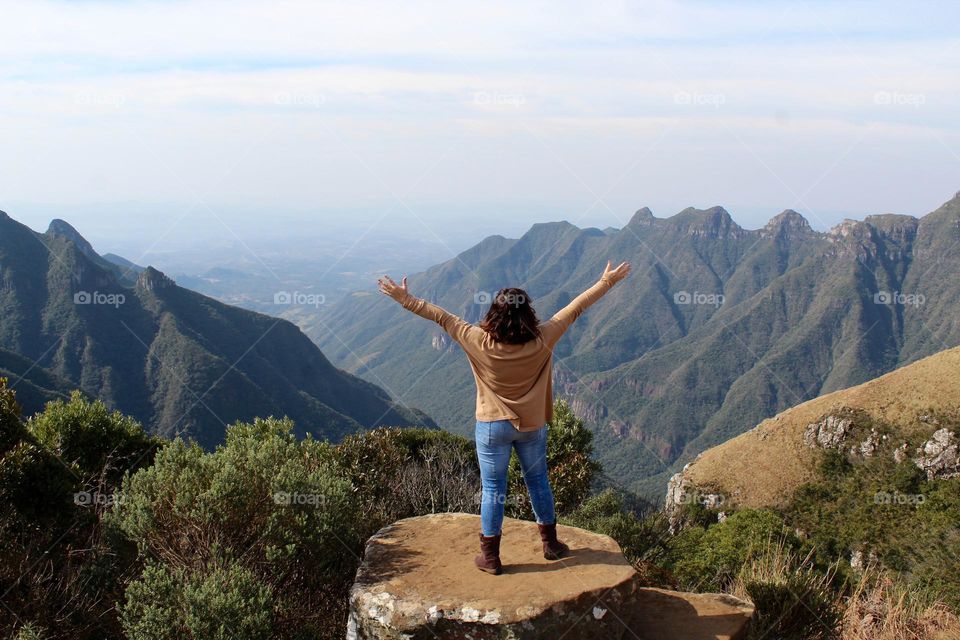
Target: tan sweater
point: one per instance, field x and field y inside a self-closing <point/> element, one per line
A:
<point x="514" y="381"/>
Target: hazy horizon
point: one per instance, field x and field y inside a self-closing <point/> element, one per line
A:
<point x="117" y="229"/>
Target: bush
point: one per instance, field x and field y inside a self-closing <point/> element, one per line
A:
<point x="802" y="607"/>
<point x="399" y="473"/>
<point x="709" y="559"/>
<point x="642" y="540"/>
<point x="220" y="603"/>
<point x="30" y="631"/>
<point x="11" y="429"/>
<point x="264" y="508"/>
<point x="569" y="466"/>
<point x="794" y="598"/>
<point x="92" y="439"/>
<point x="59" y="565"/>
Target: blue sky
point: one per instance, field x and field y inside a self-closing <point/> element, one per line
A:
<point x="473" y="116"/>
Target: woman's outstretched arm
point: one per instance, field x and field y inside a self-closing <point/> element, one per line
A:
<point x="457" y="327"/>
<point x="554" y="328"/>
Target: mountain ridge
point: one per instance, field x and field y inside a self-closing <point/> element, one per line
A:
<point x="701" y="343"/>
<point x="178" y="361"/>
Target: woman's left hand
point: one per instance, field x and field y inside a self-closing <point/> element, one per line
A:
<point x="389" y="287"/>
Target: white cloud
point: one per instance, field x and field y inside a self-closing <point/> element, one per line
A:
<point x="293" y="103"/>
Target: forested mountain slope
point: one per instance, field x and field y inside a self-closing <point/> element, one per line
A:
<point x="718" y="328"/>
<point x="178" y="361"/>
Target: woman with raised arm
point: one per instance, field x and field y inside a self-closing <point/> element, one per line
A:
<point x="511" y="355"/>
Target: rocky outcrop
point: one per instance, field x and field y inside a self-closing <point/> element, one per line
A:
<point x="828" y="433"/>
<point x="786" y="225"/>
<point x="940" y="455"/>
<point x="681" y="491"/>
<point x="151" y="279"/>
<point x="417" y="580"/>
<point x="837" y="430"/>
<point x="869" y="446"/>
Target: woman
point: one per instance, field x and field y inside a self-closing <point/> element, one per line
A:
<point x="511" y="355"/>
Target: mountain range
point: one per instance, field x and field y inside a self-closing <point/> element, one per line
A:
<point x="718" y="328"/>
<point x="178" y="361"/>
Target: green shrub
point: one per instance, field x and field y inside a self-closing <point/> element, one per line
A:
<point x="263" y="506"/>
<point x="708" y="559"/>
<point x="398" y="473"/>
<point x="30" y="631"/>
<point x="642" y="540"/>
<point x="218" y="603"/>
<point x="569" y="466"/>
<point x="91" y="438"/>
<point x="11" y="429"/>
<point x="59" y="565"/>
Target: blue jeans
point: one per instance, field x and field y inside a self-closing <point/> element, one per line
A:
<point x="495" y="441"/>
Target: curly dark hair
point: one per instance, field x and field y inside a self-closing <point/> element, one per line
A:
<point x="511" y="319"/>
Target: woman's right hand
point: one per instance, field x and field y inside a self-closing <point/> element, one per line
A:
<point x="616" y="275"/>
<point x="396" y="291"/>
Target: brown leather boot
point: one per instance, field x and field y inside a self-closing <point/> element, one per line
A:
<point x="553" y="549"/>
<point x="489" y="558"/>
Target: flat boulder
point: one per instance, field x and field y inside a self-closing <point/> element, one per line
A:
<point x="417" y="580"/>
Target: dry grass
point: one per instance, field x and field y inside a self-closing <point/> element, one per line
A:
<point x="880" y="609"/>
<point x="774" y="566"/>
<point x="877" y="608"/>
<point x="796" y="600"/>
<point x="763" y="466"/>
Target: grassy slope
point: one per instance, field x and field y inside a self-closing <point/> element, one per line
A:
<point x="763" y="466"/>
